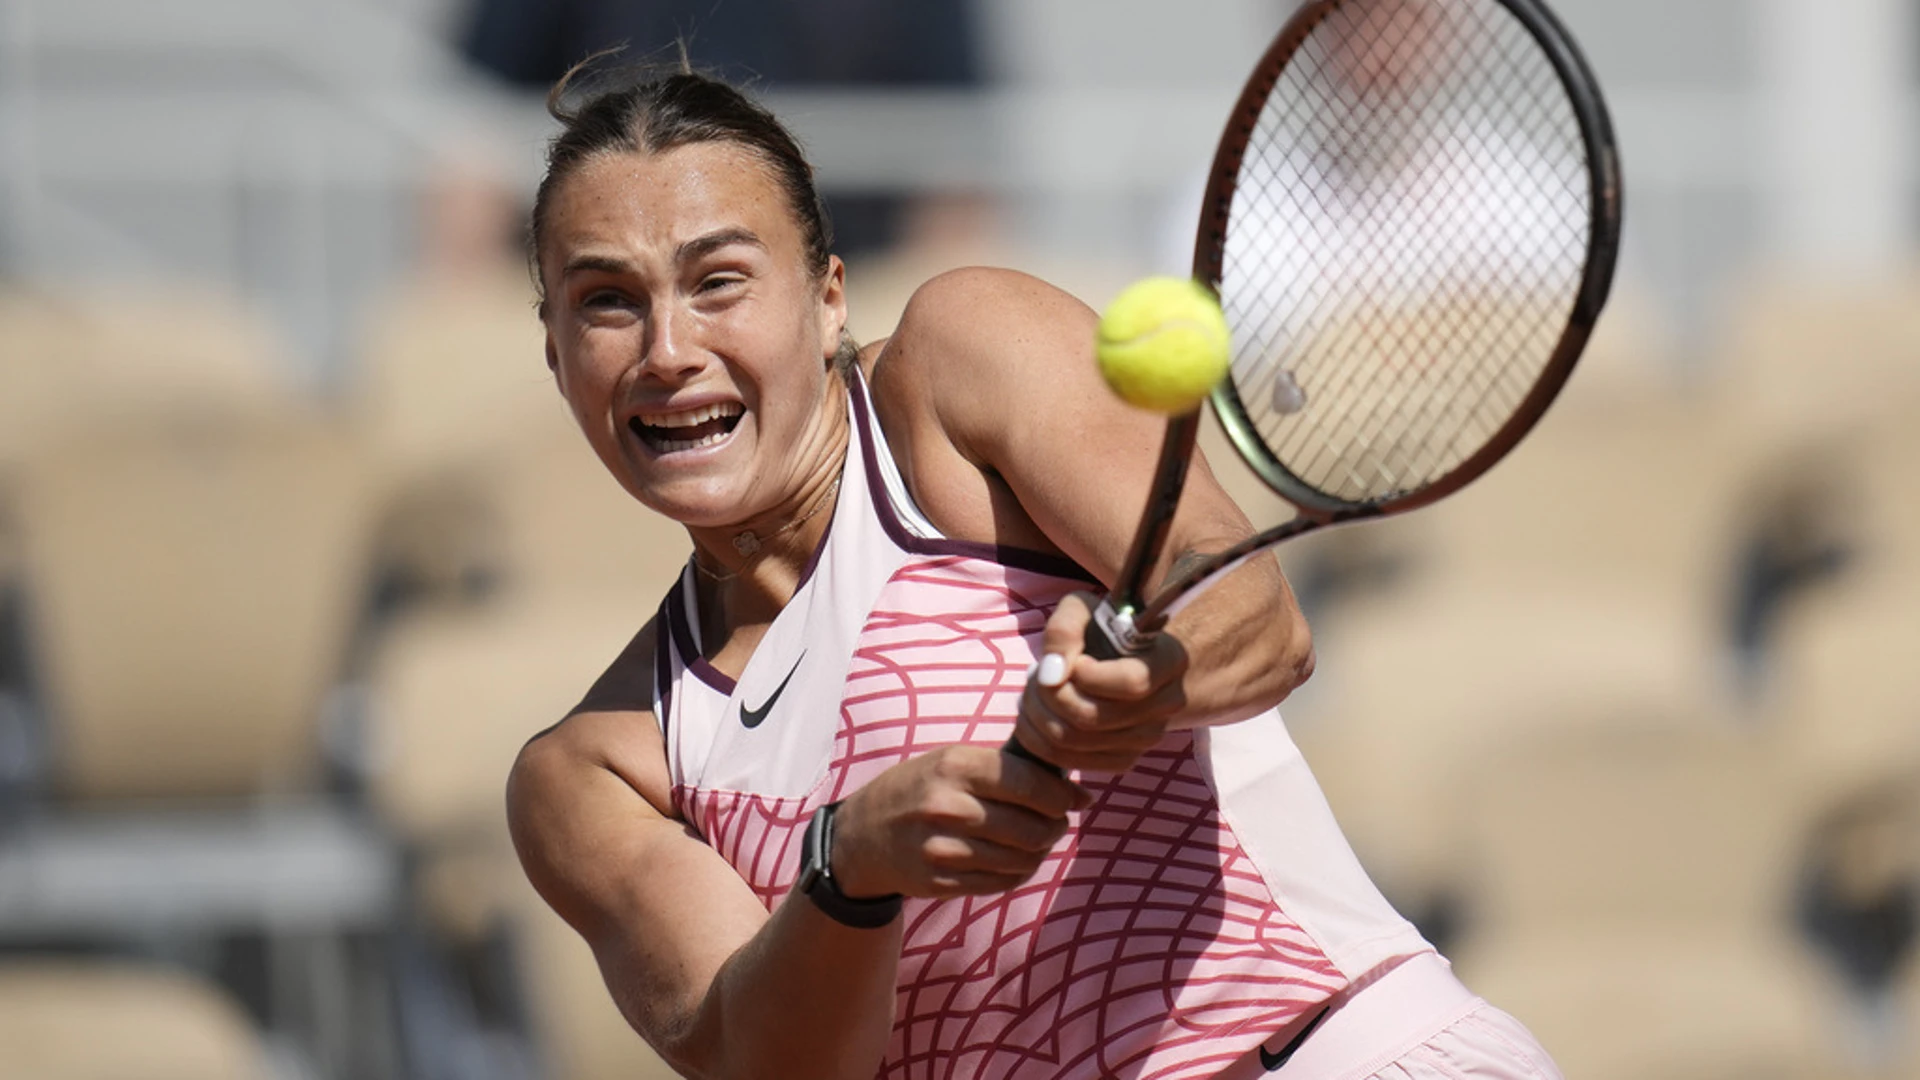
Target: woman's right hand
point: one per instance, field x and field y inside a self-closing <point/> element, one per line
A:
<point x="956" y="821"/>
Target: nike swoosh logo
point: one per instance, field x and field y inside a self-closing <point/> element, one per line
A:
<point x="1272" y="1062"/>
<point x="751" y="718"/>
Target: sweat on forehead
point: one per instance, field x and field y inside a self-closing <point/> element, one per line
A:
<point x="659" y="115"/>
<point x="683" y="205"/>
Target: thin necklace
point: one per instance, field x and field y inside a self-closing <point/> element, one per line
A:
<point x="750" y="544"/>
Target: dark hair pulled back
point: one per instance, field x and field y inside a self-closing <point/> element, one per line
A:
<point x="649" y="111"/>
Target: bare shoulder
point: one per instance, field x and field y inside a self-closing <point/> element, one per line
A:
<point x="983" y="323"/>
<point x="980" y="352"/>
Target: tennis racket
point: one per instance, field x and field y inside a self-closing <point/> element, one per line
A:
<point x="1411" y="222"/>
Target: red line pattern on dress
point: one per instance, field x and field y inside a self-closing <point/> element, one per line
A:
<point x="1147" y="945"/>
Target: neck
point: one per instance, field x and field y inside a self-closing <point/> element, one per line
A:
<point x="749" y="570"/>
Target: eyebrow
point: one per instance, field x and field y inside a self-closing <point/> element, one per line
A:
<point x="692" y="249"/>
<point x="714" y="241"/>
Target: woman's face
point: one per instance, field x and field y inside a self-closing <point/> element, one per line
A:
<point x="687" y="332"/>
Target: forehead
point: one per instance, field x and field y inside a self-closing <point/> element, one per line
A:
<point x="636" y="198"/>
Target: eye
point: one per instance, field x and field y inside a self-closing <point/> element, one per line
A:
<point x="719" y="282"/>
<point x="610" y="303"/>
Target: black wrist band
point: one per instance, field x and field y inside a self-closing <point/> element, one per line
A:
<point x="816" y="880"/>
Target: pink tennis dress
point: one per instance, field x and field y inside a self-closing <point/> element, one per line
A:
<point x="1204" y="905"/>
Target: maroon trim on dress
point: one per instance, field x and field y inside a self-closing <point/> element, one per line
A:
<point x="1018" y="558"/>
<point x="683" y="640"/>
<point x="663" y="661"/>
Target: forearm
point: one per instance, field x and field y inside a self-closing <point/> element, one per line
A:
<point x="1247" y="644"/>
<point x="720" y="988"/>
<point x="806" y="997"/>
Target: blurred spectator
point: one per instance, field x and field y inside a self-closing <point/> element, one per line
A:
<point x="779" y="44"/>
<point x="531" y="43"/>
<point x="472" y="220"/>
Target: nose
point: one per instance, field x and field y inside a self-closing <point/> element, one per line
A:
<point x="669" y="352"/>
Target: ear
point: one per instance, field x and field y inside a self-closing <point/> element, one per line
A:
<point x="553" y="360"/>
<point x="833" y="307"/>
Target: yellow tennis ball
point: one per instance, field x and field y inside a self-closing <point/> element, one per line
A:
<point x="1163" y="344"/>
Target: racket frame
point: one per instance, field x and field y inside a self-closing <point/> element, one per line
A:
<point x="1314" y="507"/>
<point x="1124" y="622"/>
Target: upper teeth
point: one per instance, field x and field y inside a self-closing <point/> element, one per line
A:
<point x="692" y="416"/>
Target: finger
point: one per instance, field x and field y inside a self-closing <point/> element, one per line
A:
<point x="1137" y="739"/>
<point x="1139" y="677"/>
<point x="946" y="853"/>
<point x="970" y="883"/>
<point x="1036" y="788"/>
<point x="1102" y="761"/>
<point x="1019" y="828"/>
<point x="1063" y="702"/>
<point x="1064" y="638"/>
<point x="1071" y="720"/>
<point x="1095" y="715"/>
<point x="1106" y="756"/>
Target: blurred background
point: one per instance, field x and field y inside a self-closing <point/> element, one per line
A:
<point x="297" y="545"/>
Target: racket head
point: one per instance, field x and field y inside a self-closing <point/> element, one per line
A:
<point x="1495" y="84"/>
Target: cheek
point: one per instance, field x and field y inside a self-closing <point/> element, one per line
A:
<point x="588" y="381"/>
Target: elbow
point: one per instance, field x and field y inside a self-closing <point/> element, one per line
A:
<point x="1298" y="670"/>
<point x="1297" y="656"/>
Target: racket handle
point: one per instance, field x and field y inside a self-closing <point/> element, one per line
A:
<point x="1110" y="636"/>
<point x="1019" y="750"/>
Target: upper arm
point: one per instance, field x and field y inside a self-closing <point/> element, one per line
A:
<point x="588" y="805"/>
<point x="996" y="368"/>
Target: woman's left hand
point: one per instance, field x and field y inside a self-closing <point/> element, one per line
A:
<point x="1098" y="715"/>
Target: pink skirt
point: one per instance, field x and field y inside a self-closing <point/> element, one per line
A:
<point x="1414" y="1021"/>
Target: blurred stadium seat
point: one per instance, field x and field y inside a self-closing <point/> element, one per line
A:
<point x="1843" y="703"/>
<point x="193" y="586"/>
<point x="1713" y="1006"/>
<point x="90" y="1020"/>
<point x="571" y="530"/>
<point x="455" y="696"/>
<point x="1801" y="356"/>
<point x="72" y="355"/>
<point x="447" y="368"/>
<point x="1415" y="689"/>
<point x="1594" y="851"/>
<point x="1633" y="826"/>
<point x="1644" y="499"/>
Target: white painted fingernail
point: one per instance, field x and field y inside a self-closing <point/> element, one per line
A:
<point x="1053" y="670"/>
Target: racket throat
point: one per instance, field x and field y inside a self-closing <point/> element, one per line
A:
<point x="1115" y="632"/>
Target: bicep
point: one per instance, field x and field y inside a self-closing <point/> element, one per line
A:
<point x="661" y="910"/>
<point x="1022" y="396"/>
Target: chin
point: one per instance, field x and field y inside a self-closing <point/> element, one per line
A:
<point x="695" y="502"/>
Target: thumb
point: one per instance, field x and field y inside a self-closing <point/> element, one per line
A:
<point x="1064" y="639"/>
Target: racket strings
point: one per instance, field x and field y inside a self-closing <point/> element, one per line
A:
<point x="1405" y="244"/>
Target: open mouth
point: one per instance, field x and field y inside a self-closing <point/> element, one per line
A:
<point x="667" y="433"/>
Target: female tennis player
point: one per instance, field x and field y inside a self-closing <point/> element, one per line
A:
<point x="782" y="818"/>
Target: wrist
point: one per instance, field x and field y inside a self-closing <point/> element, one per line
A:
<point x="818" y="882"/>
<point x="851" y="873"/>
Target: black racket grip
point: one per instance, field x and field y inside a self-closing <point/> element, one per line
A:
<point x="1104" y="632"/>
